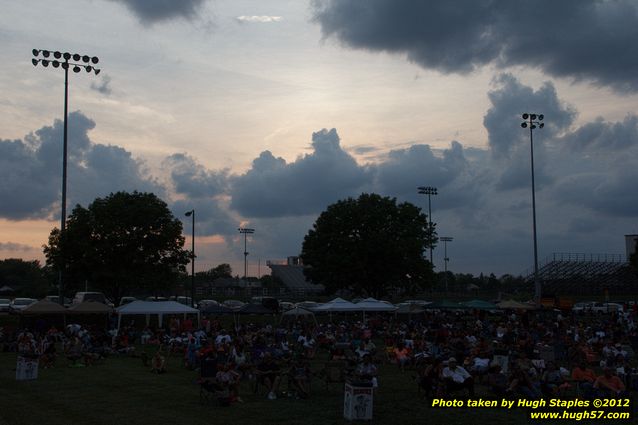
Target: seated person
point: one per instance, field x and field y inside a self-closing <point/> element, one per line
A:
<point x="521" y="383"/>
<point x="455" y="377"/>
<point x="609" y="385"/>
<point x="158" y="363"/>
<point x="430" y="377"/>
<point x="497" y="380"/>
<point x="367" y="371"/>
<point x="228" y="379"/>
<point x="479" y="366"/>
<point x="552" y="381"/>
<point x="300" y="377"/>
<point x="585" y="378"/>
<point x="402" y="355"/>
<point x="268" y="373"/>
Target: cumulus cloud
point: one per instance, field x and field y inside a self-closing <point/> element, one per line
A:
<point x="193" y="179"/>
<point x="153" y="11"/>
<point x="104" y="86"/>
<point x="30" y="170"/>
<point x="272" y="187"/>
<point x="580" y="39"/>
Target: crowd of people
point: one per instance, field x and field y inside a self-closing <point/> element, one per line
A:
<point x="518" y="354"/>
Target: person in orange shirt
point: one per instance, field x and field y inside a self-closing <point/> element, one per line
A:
<point x="584" y="378"/>
<point x="609" y="385"/>
<point x="402" y="355"/>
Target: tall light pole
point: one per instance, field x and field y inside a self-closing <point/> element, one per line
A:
<point x="428" y="190"/>
<point x="245" y="231"/>
<point x="445" y="240"/>
<point x="64" y="60"/>
<point x="533" y="121"/>
<point x="191" y="213"/>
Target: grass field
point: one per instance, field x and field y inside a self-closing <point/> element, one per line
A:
<point x="123" y="391"/>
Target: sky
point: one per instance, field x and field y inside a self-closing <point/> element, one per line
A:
<point x="261" y="113"/>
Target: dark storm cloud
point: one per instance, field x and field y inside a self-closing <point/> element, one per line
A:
<point x="273" y="187"/>
<point x="153" y="11"/>
<point x="210" y="217"/>
<point x="30" y="170"/>
<point x="193" y="179"/>
<point x="509" y="143"/>
<point x="579" y="39"/>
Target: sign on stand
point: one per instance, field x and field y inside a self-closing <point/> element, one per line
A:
<point x="357" y="402"/>
<point x="27" y="368"/>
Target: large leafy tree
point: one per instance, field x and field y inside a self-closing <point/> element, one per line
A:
<point x="26" y="277"/>
<point x="369" y="245"/>
<point x="121" y="243"/>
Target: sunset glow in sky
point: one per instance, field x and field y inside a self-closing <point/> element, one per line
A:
<point x="261" y="113"/>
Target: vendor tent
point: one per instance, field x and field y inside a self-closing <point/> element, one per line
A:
<point x="406" y="308"/>
<point x="89" y="307"/>
<point x="214" y="309"/>
<point x="159" y="308"/>
<point x="514" y="305"/>
<point x="370" y="304"/>
<point x="254" y="309"/>
<point x="43" y="307"/>
<point x="298" y="312"/>
<point x="445" y="305"/>
<point x="480" y="305"/>
<point x="337" y="305"/>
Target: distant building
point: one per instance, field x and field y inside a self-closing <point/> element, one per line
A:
<point x="290" y="273"/>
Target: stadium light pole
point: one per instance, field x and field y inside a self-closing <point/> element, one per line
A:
<point x="428" y="190"/>
<point x="191" y="213"/>
<point x="534" y="121"/>
<point x="445" y="240"/>
<point x="245" y="231"/>
<point x="64" y="60"/>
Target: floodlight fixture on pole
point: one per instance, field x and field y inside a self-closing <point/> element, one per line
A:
<point x="245" y="231"/>
<point x="534" y="121"/>
<point x="64" y="60"/>
<point x="191" y="213"/>
<point x="429" y="190"/>
<point x="445" y="240"/>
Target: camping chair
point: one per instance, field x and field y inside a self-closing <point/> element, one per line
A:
<point x="208" y="386"/>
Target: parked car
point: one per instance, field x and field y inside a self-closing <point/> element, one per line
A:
<point x="270" y="303"/>
<point x="81" y="297"/>
<point x="182" y="300"/>
<point x="582" y="306"/>
<point x="233" y="303"/>
<point x="606" y="307"/>
<point x="56" y="299"/>
<point x="4" y="304"/>
<point x="203" y="303"/>
<point x="156" y="299"/>
<point x="126" y="300"/>
<point x="285" y="305"/>
<point x="19" y="304"/>
<point x="308" y="305"/>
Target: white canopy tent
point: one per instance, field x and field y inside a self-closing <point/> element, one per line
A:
<point x="373" y="305"/>
<point x="337" y="305"/>
<point x="148" y="308"/>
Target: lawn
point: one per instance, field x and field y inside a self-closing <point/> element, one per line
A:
<point x="123" y="391"/>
